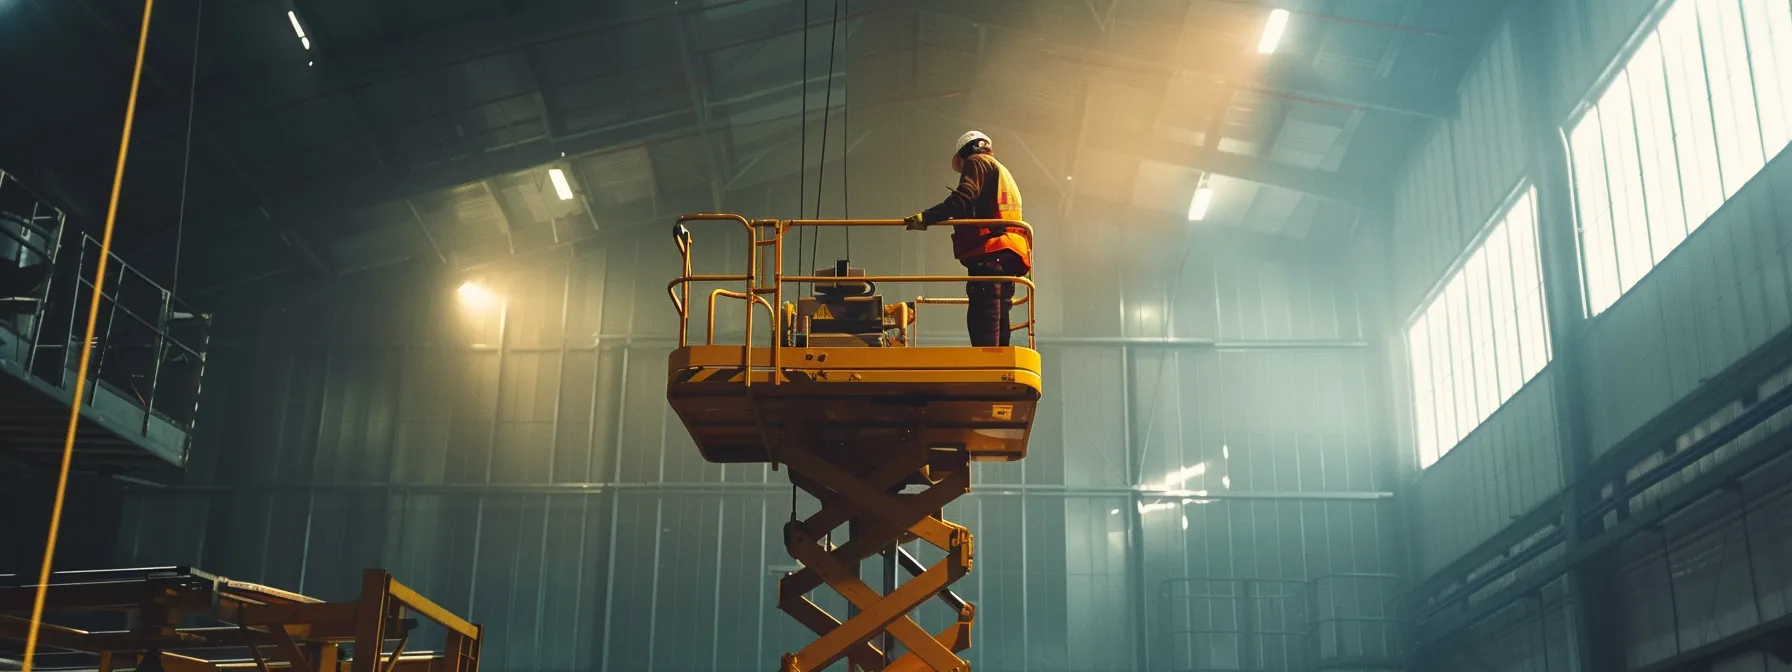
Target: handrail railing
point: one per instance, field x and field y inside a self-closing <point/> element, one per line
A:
<point x="964" y="301"/>
<point x="133" y="295"/>
<point x="710" y="337"/>
<point x="678" y="290"/>
<point x="1332" y="620"/>
<point x="32" y="212"/>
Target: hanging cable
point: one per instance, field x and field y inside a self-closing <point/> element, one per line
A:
<point x="93" y="318"/>
<point x="802" y="160"/>
<point x="846" y="137"/>
<point x="186" y="162"/>
<point x="827" y="113"/>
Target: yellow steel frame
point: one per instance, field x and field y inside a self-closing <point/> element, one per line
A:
<point x="300" y="633"/>
<point x="864" y="487"/>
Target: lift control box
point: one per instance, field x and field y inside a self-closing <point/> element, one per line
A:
<point x="841" y="314"/>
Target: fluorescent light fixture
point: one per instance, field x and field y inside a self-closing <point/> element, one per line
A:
<point x="1272" y="32"/>
<point x="561" y="188"/>
<point x="305" y="41"/>
<point x="477" y="296"/>
<point x="294" y="18"/>
<point x="1197" y="208"/>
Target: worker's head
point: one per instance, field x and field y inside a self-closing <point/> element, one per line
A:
<point x="974" y="142"/>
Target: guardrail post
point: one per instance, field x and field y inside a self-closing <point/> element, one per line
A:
<point x="155" y="373"/>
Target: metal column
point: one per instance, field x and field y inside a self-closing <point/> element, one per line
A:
<point x="1590" y="596"/>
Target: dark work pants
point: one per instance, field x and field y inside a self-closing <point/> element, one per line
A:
<point x="987" y="316"/>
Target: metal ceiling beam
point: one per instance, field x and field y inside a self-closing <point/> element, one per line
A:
<point x="1290" y="80"/>
<point x="503" y="220"/>
<point x="700" y="108"/>
<point x="320" y="202"/>
<point x="234" y="165"/>
<point x="1366" y="194"/>
<point x="346" y="69"/>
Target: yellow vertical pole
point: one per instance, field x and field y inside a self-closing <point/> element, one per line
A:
<point x="93" y="316"/>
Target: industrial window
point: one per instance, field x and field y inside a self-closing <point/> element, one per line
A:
<point x="1482" y="337"/>
<point x="1702" y="105"/>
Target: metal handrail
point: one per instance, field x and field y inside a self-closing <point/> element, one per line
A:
<point x="1303" y="596"/>
<point x="164" y="342"/>
<point x="710" y="338"/>
<point x="678" y="290"/>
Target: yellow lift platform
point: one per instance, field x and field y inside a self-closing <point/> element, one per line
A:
<point x="881" y="431"/>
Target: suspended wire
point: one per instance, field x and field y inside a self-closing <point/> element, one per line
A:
<point x="827" y="113"/>
<point x="186" y="162"/>
<point x="93" y="318"/>
<point x="846" y="138"/>
<point x="802" y="160"/>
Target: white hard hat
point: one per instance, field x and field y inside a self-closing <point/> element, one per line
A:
<point x="969" y="138"/>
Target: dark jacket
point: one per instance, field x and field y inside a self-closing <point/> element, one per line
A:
<point x="985" y="191"/>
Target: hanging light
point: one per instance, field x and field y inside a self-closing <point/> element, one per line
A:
<point x="561" y="188"/>
<point x="1272" y="31"/>
<point x="477" y="295"/>
<point x="304" y="40"/>
<point x="1197" y="207"/>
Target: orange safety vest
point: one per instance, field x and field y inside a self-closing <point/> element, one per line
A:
<point x="967" y="243"/>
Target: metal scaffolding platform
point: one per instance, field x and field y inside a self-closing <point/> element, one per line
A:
<point x="192" y="621"/>
<point x="148" y="356"/>
<point x="880" y="431"/>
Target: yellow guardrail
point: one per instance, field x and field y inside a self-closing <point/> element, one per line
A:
<point x="771" y="232"/>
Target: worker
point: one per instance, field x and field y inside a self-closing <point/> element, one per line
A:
<point x="986" y="190"/>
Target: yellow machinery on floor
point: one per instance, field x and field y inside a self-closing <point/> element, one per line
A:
<point x="249" y="627"/>
<point x="880" y="431"/>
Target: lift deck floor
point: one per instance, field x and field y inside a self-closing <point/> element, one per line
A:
<point x="980" y="399"/>
<point x="113" y="436"/>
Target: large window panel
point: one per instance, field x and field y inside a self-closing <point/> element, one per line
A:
<point x="1600" y="271"/>
<point x="1527" y="278"/>
<point x="1732" y="92"/>
<point x="1695" y="142"/>
<point x="1443" y="376"/>
<point x="1655" y="144"/>
<point x="1424" y="407"/>
<point x="1624" y="180"/>
<point x="1701" y="105"/>
<point x="1505" y="311"/>
<point x="1482" y="336"/>
<point x="1771" y="67"/>
<point x="1462" y="357"/>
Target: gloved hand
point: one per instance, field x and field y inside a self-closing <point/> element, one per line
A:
<point x="915" y="223"/>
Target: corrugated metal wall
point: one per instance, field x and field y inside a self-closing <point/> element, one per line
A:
<point x="544" y="487"/>
<point x="1459" y="180"/>
<point x="1502" y="470"/>
<point x="1715" y="570"/>
<point x="1716" y="299"/>
<point x="1461" y="175"/>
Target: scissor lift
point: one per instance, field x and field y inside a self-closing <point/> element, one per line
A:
<point x="880" y="431"/>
